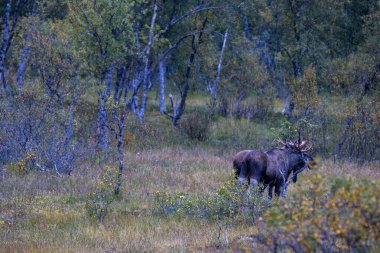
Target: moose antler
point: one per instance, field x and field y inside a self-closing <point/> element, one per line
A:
<point x="307" y="148"/>
<point x="302" y="145"/>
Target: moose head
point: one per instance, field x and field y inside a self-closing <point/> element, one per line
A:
<point x="299" y="155"/>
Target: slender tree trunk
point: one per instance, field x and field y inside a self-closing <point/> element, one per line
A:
<point x="215" y="90"/>
<point x="177" y="113"/>
<point x="69" y="147"/>
<point x="246" y="27"/>
<point x="146" y="68"/>
<point x="121" y="77"/>
<point x="294" y="58"/>
<point x="181" y="108"/>
<point x="4" y="43"/>
<point x="102" y="127"/>
<point x="162" y="71"/>
<point x="239" y="99"/>
<point x="288" y="106"/>
<point x="102" y="113"/>
<point x="22" y="64"/>
<point x="8" y="33"/>
<point x="99" y="121"/>
<point x="121" y="127"/>
<point x="343" y="139"/>
<point x="136" y="80"/>
<point x="25" y="54"/>
<point x="1" y="171"/>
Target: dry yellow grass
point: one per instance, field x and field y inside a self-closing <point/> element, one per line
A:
<point x="46" y="213"/>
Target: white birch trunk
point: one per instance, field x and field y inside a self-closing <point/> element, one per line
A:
<point x="162" y="70"/>
<point x="215" y="90"/>
<point x="146" y="68"/>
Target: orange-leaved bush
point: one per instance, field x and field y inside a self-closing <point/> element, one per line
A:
<point x="326" y="215"/>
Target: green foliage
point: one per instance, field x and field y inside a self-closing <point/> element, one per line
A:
<point x="289" y="130"/>
<point x="101" y="30"/>
<point x="230" y="202"/>
<point x="25" y="164"/>
<point x="245" y="89"/>
<point x="98" y="202"/>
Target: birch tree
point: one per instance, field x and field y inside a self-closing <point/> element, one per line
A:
<point x="105" y="30"/>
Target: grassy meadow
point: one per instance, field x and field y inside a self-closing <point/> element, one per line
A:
<point x="92" y="161"/>
<point x="46" y="212"/>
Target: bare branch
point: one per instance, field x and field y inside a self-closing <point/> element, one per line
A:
<point x="180" y="40"/>
<point x="196" y="10"/>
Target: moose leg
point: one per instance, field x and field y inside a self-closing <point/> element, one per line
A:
<point x="270" y="192"/>
<point x="243" y="174"/>
<point x="280" y="190"/>
<point x="237" y="172"/>
<point x="294" y="179"/>
<point x="283" y="192"/>
<point x="253" y="184"/>
<point x="277" y="191"/>
<point x="241" y="180"/>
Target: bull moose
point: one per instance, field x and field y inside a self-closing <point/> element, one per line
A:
<point x="272" y="168"/>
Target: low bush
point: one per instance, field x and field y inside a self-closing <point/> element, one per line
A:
<point x="320" y="215"/>
<point x="98" y="202"/>
<point x="324" y="215"/>
<point x="229" y="202"/>
<point x="196" y="125"/>
<point x="24" y="165"/>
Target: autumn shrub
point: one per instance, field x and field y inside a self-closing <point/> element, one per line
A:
<point x="196" y="125"/>
<point x="25" y="164"/>
<point x="229" y="202"/>
<point x="98" y="201"/>
<point x="324" y="215"/>
<point x="305" y="97"/>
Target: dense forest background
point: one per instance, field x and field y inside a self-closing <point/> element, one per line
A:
<point x="63" y="61"/>
<point x="92" y="83"/>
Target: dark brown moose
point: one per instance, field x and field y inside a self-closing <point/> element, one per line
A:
<point x="272" y="168"/>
